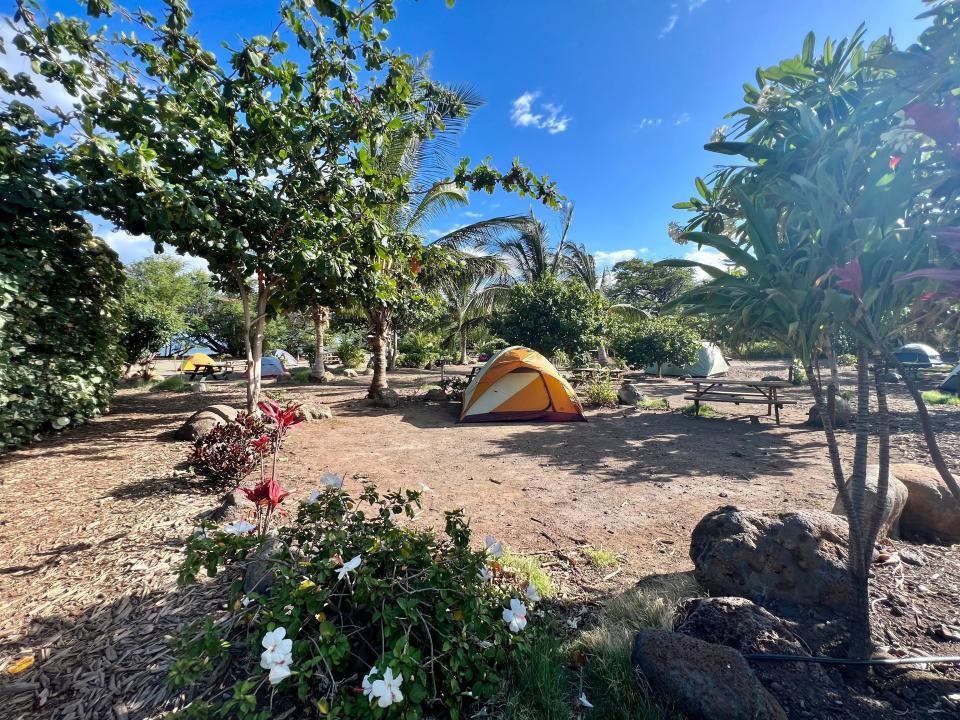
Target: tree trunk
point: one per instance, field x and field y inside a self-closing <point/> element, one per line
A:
<point x="833" y="389"/>
<point x="463" y="347"/>
<point x="602" y="357"/>
<point x="319" y="326"/>
<point x="928" y="435"/>
<point x="392" y="349"/>
<point x="379" y="326"/>
<point x="860" y="553"/>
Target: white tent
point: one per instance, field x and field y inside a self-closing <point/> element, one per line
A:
<point x="918" y="354"/>
<point x="286" y="358"/>
<point x="710" y="362"/>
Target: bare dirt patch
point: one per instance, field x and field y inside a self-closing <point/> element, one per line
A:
<point x="92" y="521"/>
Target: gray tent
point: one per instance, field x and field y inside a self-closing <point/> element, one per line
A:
<point x="917" y="354"/>
<point x="952" y="383"/>
<point x="709" y="363"/>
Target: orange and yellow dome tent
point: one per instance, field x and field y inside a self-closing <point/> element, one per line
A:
<point x="519" y="384"/>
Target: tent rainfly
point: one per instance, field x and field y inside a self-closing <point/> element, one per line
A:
<point x="519" y="384"/>
<point x="918" y="354"/>
<point x="709" y="362"/>
<point x="952" y="383"/>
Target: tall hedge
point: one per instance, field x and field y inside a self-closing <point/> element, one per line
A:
<point x="59" y="292"/>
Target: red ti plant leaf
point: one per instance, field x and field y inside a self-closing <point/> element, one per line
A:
<point x="850" y="278"/>
<point x="894" y="161"/>
<point x="936" y="122"/>
<point x="267" y="492"/>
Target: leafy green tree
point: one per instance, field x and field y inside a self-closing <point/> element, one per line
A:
<point x="291" y="331"/>
<point x="663" y="340"/>
<point x="147" y="327"/>
<point x="216" y="320"/>
<point x="60" y="311"/>
<point x="647" y="285"/>
<point x="468" y="299"/>
<point x="164" y="281"/>
<point x="549" y="315"/>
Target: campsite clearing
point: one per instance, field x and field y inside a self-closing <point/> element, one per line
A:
<point x="95" y="593"/>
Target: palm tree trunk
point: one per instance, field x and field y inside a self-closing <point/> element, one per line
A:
<point x="463" y="347"/>
<point x="319" y="325"/>
<point x="379" y="325"/>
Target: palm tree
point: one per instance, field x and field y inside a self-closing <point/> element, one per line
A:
<point x="528" y="253"/>
<point x="469" y="297"/>
<point x="580" y="265"/>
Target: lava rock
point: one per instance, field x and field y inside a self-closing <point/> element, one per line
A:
<point x="931" y="512"/>
<point x="893" y="505"/>
<point x="435" y="395"/>
<point x="258" y="577"/>
<point x="203" y="421"/>
<point x="316" y="412"/>
<point x="793" y="559"/>
<point x="704" y="681"/>
<point x="844" y="414"/>
<point x="386" y="398"/>
<point x="629" y="394"/>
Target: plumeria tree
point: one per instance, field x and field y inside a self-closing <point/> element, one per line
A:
<point x="851" y="193"/>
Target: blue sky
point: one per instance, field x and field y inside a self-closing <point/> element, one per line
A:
<point x="613" y="99"/>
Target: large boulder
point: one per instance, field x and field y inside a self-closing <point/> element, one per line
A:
<point x="893" y="505"/>
<point x="931" y="512"/>
<point x="386" y="398"/>
<point x="203" y="421"/>
<point x="326" y="377"/>
<point x="793" y="559"/>
<point x="702" y="680"/>
<point x="750" y="629"/>
<point x="311" y="411"/>
<point x="629" y="394"/>
<point x="844" y="414"/>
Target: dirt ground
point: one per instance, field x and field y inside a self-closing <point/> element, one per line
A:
<point x="92" y="521"/>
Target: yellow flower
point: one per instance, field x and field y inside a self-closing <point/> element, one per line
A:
<point x="307" y="584"/>
<point x="323" y="706"/>
<point x="321" y="617"/>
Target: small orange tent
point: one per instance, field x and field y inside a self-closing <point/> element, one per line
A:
<point x="197" y="360"/>
<point x="519" y="384"/>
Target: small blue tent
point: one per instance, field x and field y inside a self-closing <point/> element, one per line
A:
<point x="270" y="367"/>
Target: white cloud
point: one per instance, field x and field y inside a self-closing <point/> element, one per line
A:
<point x="473" y="215"/>
<point x="683" y="118"/>
<point x="706" y="256"/>
<point x="669" y="25"/>
<point x="695" y="4"/>
<point x="550" y="117"/>
<point x="131" y="248"/>
<point x="647" y="123"/>
<point x="612" y="257"/>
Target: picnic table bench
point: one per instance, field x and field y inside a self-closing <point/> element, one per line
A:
<point x="757" y="392"/>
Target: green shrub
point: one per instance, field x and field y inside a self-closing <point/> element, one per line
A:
<point x="561" y="359"/>
<point x="453" y="386"/>
<point x="529" y="569"/>
<point x="174" y="383"/>
<point x="147" y="327"/>
<point x="937" y="397"/>
<point x="354" y="590"/>
<point x="350" y="350"/>
<point x="550" y="315"/>
<point x="655" y="404"/>
<point x="301" y="374"/>
<point x="705" y="411"/>
<point x="657" y="341"/>
<point x="492" y="347"/>
<point x="599" y="391"/>
<point x="799" y="372"/>
<point x="761" y="350"/>
<point x="846" y="360"/>
<point x="418" y="350"/>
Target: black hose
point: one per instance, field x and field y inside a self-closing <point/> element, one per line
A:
<point x="765" y="657"/>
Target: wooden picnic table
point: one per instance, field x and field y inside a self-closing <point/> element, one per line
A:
<point x="759" y="392"/>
